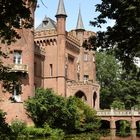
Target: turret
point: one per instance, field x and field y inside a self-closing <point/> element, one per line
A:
<point x="61" y="42"/>
<point x="80" y="25"/>
<point x="80" y="28"/>
<point x="61" y="18"/>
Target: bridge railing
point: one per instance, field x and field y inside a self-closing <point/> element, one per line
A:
<point x="114" y="112"/>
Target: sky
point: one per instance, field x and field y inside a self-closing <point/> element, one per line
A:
<point x="49" y="7"/>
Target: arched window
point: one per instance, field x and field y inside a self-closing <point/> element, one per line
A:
<point x="94" y="98"/>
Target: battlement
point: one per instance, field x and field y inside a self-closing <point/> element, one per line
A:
<point x="45" y="33"/>
<point x="73" y="38"/>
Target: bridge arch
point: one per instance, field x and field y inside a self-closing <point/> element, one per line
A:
<point x="105" y="124"/>
<point x="80" y="94"/>
<point x="123" y="124"/>
<point x="138" y="124"/>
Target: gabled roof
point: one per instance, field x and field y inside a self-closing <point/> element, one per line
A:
<point x="80" y="25"/>
<point x="46" y="24"/>
<point x="61" y="9"/>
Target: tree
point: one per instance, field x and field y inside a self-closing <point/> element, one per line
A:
<point x="5" y="131"/>
<point x="128" y="92"/>
<point x="118" y="105"/>
<point x="124" y="36"/>
<point x="13" y="15"/>
<point x="117" y="86"/>
<point x="71" y="115"/>
<point x="107" y="72"/>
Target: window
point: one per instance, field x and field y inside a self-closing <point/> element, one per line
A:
<point x="35" y="69"/>
<point x="86" y="77"/>
<point x="17" y="57"/>
<point x="16" y="94"/>
<point x="78" y="76"/>
<point x="85" y="57"/>
<point x="51" y="70"/>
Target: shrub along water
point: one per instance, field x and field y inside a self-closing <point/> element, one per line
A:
<point x="71" y="114"/>
<point x="53" y="117"/>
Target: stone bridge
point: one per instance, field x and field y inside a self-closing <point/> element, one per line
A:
<point x="114" y="115"/>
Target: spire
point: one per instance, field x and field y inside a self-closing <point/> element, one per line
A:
<point x="80" y="25"/>
<point x="61" y="9"/>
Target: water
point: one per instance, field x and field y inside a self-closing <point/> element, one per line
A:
<point x="106" y="135"/>
<point x="109" y="135"/>
<point x="121" y="136"/>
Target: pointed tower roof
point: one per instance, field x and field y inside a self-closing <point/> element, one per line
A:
<point x="61" y="9"/>
<point x="80" y="25"/>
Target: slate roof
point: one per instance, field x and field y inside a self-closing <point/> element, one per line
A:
<point x="80" y="25"/>
<point x="61" y="9"/>
<point x="46" y="24"/>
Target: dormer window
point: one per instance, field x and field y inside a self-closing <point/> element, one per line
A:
<point x="45" y="22"/>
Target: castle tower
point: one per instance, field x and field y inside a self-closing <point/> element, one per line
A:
<point x="80" y="35"/>
<point x="80" y="28"/>
<point x="61" y="42"/>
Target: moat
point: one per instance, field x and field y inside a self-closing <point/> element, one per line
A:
<point x="103" y="135"/>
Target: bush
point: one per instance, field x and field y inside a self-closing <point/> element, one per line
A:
<point x="45" y="132"/>
<point x="5" y="130"/>
<point x="17" y="127"/>
<point x="86" y="119"/>
<point x="71" y="115"/>
<point x="46" y="106"/>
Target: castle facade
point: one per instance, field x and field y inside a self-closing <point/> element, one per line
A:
<point x="50" y="57"/>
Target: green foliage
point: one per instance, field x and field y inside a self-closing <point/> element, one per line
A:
<point x="9" y="80"/>
<point x="5" y="130"/>
<point x="124" y="128"/>
<point x="117" y="86"/>
<point x="108" y="73"/>
<point x="11" y="14"/>
<point x="83" y="118"/>
<point x="71" y="115"/>
<point x="45" y="106"/>
<point x="45" y="131"/>
<point x="107" y="69"/>
<point x="129" y="93"/>
<point x="124" y="36"/>
<point x="17" y="127"/>
<point x="118" y="105"/>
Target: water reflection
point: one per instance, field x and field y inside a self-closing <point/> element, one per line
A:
<point x="103" y="135"/>
<point x="121" y="135"/>
<point x="107" y="135"/>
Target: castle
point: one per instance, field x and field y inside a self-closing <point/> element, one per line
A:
<point x="50" y="57"/>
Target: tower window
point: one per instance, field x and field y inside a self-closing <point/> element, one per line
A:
<point x="85" y="57"/>
<point x="51" y="70"/>
<point x="17" y="57"/>
<point x="86" y="77"/>
<point x="35" y="69"/>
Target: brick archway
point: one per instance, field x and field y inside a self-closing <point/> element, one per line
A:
<point x="80" y="94"/>
<point x="86" y="90"/>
